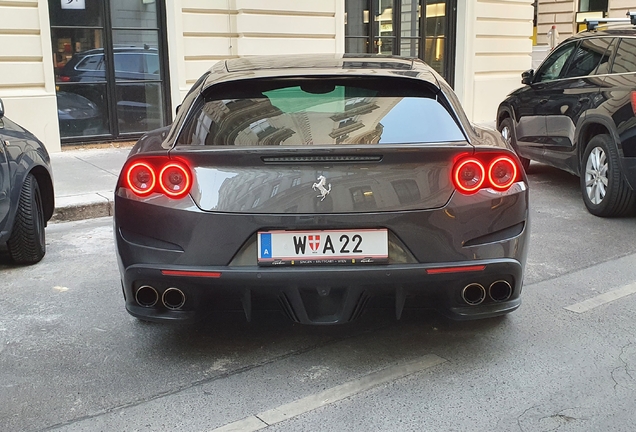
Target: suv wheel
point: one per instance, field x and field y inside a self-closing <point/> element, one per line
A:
<point x="508" y="133"/>
<point x="605" y="191"/>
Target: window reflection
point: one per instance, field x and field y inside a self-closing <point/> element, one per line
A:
<point x="82" y="110"/>
<point x="292" y="116"/>
<point x="127" y="13"/>
<point x="396" y="27"/>
<point x="363" y="198"/>
<point x="407" y="191"/>
<point x="107" y="90"/>
<point x="625" y="60"/>
<point x="139" y="107"/>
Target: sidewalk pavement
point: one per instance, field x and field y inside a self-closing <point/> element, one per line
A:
<point x="84" y="182"/>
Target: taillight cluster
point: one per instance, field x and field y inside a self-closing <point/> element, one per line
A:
<point x="488" y="170"/>
<point x="172" y="178"/>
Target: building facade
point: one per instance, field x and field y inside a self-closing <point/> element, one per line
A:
<point x="568" y="15"/>
<point x="101" y="70"/>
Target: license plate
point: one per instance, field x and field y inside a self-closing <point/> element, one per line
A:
<point x="364" y="246"/>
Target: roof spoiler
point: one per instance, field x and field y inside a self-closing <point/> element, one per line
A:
<point x="592" y="24"/>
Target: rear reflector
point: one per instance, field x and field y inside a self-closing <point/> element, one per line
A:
<point x="186" y="273"/>
<point x="442" y="270"/>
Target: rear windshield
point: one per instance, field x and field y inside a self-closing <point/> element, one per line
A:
<point x="319" y="112"/>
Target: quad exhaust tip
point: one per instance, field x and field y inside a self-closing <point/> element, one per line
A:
<point x="474" y="294"/>
<point x="146" y="296"/>
<point x="500" y="290"/>
<point x="173" y="298"/>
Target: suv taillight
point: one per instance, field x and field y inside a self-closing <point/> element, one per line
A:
<point x="485" y="170"/>
<point x="634" y="102"/>
<point x="172" y="178"/>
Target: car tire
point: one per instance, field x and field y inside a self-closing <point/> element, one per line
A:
<point x="605" y="191"/>
<point x="507" y="130"/>
<point x="27" y="242"/>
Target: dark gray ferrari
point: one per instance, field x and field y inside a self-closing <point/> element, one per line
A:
<point x="321" y="184"/>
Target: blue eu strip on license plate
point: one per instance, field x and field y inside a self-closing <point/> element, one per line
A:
<point x="266" y="245"/>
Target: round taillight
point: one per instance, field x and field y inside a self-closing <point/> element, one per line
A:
<point x="175" y="180"/>
<point x="502" y="172"/>
<point x="469" y="175"/>
<point x="141" y="178"/>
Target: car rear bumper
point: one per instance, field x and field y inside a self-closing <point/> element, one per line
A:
<point x="157" y="237"/>
<point x="319" y="295"/>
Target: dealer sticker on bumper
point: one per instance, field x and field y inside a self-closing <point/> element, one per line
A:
<point x="366" y="246"/>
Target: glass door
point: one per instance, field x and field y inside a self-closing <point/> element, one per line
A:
<point x="410" y="28"/>
<point x="109" y="68"/>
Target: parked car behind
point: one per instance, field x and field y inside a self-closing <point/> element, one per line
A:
<point x="321" y="183"/>
<point x="26" y="192"/>
<point x="77" y="115"/>
<point x="131" y="64"/>
<point x="82" y="109"/>
<point x="577" y="112"/>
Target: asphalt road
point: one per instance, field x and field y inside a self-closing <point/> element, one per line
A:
<point x="72" y="359"/>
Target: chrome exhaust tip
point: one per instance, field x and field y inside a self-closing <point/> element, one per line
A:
<point x="500" y="290"/>
<point x="146" y="296"/>
<point x="473" y="294"/>
<point x="173" y="298"/>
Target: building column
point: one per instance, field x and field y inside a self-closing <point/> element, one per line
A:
<point x="27" y="81"/>
<point x="494" y="47"/>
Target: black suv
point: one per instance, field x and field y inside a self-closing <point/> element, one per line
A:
<point x="131" y="63"/>
<point x="577" y="112"/>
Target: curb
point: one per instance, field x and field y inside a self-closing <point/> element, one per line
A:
<point x="84" y="206"/>
<point x="81" y="212"/>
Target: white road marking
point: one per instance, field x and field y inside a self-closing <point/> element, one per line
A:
<point x="602" y="299"/>
<point x="329" y="396"/>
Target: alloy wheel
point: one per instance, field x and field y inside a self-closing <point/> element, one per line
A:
<point x="505" y="133"/>
<point x="596" y="175"/>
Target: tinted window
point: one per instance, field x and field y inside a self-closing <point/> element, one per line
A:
<point x="152" y="63"/>
<point x="91" y="63"/>
<point x="554" y="64"/>
<point x="604" y="65"/>
<point x="587" y="57"/>
<point x="322" y="113"/>
<point x="625" y="60"/>
<point x="128" y="62"/>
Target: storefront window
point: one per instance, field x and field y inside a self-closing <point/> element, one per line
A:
<point x="129" y="13"/>
<point x="434" y="53"/>
<point x="108" y="68"/>
<point x="78" y="52"/>
<point x="357" y="26"/>
<point x="411" y="28"/>
<point x="75" y="13"/>
<point x="384" y="36"/>
<point x="593" y="5"/>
